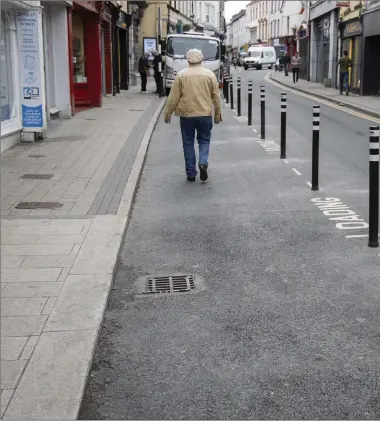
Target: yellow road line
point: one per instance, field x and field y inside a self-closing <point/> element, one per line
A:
<point x="322" y="101"/>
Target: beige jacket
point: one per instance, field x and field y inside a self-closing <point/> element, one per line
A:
<point x="194" y="94"/>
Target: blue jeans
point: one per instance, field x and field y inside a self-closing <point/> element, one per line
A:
<point x="344" y="81"/>
<point x="203" y="126"/>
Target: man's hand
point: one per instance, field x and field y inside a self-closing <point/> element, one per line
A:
<point x="168" y="118"/>
<point x="217" y="119"/>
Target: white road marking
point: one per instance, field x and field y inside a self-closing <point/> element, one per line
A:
<point x="359" y="236"/>
<point x="326" y="102"/>
<point x="308" y="183"/>
<point x="254" y="130"/>
<point x="296" y="171"/>
<point x="341" y="214"/>
<point x="286" y="161"/>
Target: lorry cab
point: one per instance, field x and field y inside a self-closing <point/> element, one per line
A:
<point x="260" y="57"/>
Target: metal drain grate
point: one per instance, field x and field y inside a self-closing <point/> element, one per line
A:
<point x="39" y="205"/>
<point x="162" y="285"/>
<point x="37" y="156"/>
<point x="170" y="284"/>
<point x="37" y="176"/>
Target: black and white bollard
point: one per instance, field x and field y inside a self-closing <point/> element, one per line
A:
<point x="262" y="101"/>
<point x="227" y="88"/>
<point x="239" y="96"/>
<point x="373" y="186"/>
<point x="315" y="150"/>
<point x="250" y="103"/>
<point x="283" y="126"/>
<point x="231" y="93"/>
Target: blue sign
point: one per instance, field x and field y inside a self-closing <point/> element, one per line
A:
<point x="30" y="69"/>
<point x="32" y="116"/>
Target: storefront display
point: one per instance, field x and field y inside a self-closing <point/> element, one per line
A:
<point x="79" y="57"/>
<point x="352" y="42"/>
<point x="7" y="110"/>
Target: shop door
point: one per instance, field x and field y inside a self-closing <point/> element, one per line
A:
<point x="103" y="65"/>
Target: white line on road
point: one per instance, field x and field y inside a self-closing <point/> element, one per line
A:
<point x="254" y="130"/>
<point x="296" y="171"/>
<point x="357" y="236"/>
<point x="308" y="183"/>
<point x="286" y="161"/>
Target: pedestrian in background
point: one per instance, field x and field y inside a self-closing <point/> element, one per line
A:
<point x="296" y="64"/>
<point x="157" y="58"/>
<point x="345" y="63"/>
<point x="193" y="96"/>
<point x="286" y="62"/>
<point x="143" y="70"/>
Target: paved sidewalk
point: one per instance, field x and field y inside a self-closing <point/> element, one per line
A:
<point x="58" y="265"/>
<point x="365" y="104"/>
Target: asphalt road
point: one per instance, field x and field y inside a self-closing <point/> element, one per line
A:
<point x="288" y="326"/>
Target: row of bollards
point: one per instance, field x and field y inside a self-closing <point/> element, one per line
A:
<point x="374" y="136"/>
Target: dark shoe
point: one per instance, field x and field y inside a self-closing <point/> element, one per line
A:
<point x="347" y="94"/>
<point x="340" y="93"/>
<point x="190" y="178"/>
<point x="203" y="171"/>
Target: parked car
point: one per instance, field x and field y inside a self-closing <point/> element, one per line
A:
<point x="259" y="57"/>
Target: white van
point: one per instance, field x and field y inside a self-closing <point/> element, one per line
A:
<point x="258" y="57"/>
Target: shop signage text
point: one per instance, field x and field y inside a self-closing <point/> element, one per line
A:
<point x="352" y="28"/>
<point x="30" y="70"/>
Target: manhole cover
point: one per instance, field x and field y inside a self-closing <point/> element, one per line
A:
<point x="39" y="205"/>
<point x="171" y="284"/>
<point x="37" y="176"/>
<point x="37" y="156"/>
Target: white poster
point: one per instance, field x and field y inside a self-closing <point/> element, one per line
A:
<point x="30" y="74"/>
<point x="150" y="44"/>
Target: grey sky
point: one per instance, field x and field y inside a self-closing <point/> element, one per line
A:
<point x="234" y="6"/>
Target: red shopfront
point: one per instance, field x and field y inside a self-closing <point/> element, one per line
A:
<point x="90" y="41"/>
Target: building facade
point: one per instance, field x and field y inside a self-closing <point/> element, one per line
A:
<point x="324" y="42"/>
<point x="371" y="48"/>
<point x="22" y="85"/>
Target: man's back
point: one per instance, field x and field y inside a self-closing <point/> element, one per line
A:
<point x="196" y="91"/>
<point x="345" y="63"/>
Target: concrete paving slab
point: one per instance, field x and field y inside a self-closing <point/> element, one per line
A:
<point x="30" y="275"/>
<point x="22" y="325"/>
<point x="81" y="303"/>
<point x="32" y="289"/>
<point x="55" y="377"/>
<point x="22" y="306"/>
<point x="11" y="347"/>
<point x="10" y="373"/>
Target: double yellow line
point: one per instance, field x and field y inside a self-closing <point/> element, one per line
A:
<point x="322" y="101"/>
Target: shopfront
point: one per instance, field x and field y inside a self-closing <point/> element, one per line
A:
<point x="22" y="82"/>
<point x="352" y="42"/>
<point x="91" y="48"/>
<point x="371" y="54"/>
<point x="121" y="51"/>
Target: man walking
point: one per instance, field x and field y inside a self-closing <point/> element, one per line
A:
<point x="143" y="70"/>
<point x="286" y="62"/>
<point x="157" y="58"/>
<point x="296" y="64"/>
<point x="193" y="96"/>
<point x="345" y="63"/>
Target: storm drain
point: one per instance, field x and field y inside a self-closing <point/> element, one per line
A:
<point x="37" y="176"/>
<point x="39" y="205"/>
<point x="171" y="284"/>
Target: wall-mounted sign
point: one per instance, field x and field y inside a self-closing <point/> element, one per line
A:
<point x="352" y="28"/>
<point x="30" y="69"/>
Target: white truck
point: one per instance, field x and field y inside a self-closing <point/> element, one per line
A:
<point x="177" y="45"/>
